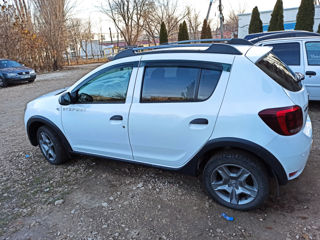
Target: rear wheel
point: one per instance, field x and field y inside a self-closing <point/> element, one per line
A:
<point x="50" y="146"/>
<point x="236" y="180"/>
<point x="3" y="82"/>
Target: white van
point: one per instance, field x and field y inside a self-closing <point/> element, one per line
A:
<point x="301" y="54"/>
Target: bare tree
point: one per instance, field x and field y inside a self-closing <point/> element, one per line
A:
<point x="233" y="21"/>
<point x="163" y="11"/>
<point x="86" y="37"/>
<point x="74" y="37"/>
<point x="51" y="18"/>
<point x="127" y="16"/>
<point x="194" y="23"/>
<point x="18" y="38"/>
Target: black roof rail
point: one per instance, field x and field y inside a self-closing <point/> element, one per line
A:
<point x="239" y="41"/>
<point x="219" y="48"/>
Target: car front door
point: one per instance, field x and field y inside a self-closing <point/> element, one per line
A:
<point x="175" y="107"/>
<point x="98" y="122"/>
<point x="312" y="69"/>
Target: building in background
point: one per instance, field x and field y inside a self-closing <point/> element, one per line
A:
<point x="289" y="14"/>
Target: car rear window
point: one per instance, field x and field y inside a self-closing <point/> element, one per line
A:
<point x="178" y="84"/>
<point x="279" y="72"/>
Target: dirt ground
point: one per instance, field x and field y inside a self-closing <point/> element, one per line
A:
<point x="89" y="198"/>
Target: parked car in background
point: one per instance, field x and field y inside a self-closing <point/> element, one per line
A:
<point x="301" y="54"/>
<point x="13" y="72"/>
<point x="256" y="37"/>
<point x="232" y="112"/>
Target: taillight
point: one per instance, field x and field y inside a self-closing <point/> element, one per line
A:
<point x="285" y="121"/>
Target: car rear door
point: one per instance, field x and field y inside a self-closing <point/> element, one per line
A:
<point x="175" y="106"/>
<point x="312" y="68"/>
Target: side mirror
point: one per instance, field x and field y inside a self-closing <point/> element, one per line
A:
<point x="65" y="99"/>
<point x="299" y="76"/>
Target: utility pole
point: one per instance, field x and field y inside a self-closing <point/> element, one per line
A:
<point x="221" y="18"/>
<point x="210" y="5"/>
<point x="110" y="35"/>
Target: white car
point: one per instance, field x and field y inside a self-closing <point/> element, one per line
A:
<point x="231" y="112"/>
<point x="301" y="54"/>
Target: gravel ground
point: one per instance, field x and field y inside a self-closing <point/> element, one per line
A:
<point x="90" y="198"/>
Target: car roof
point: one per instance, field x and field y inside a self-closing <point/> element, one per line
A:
<point x="284" y="34"/>
<point x="310" y="38"/>
<point x="224" y="46"/>
<point x="262" y="34"/>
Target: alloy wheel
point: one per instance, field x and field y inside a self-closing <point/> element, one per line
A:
<point x="47" y="146"/>
<point x="234" y="184"/>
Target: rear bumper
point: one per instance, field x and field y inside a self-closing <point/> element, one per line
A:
<point x="293" y="151"/>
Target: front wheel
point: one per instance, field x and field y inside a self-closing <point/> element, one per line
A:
<point x="3" y="82"/>
<point x="50" y="146"/>
<point x="236" y="180"/>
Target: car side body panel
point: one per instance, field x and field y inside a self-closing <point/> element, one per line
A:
<point x="161" y="133"/>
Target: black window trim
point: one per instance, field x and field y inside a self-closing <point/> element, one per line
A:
<point x="201" y="65"/>
<point x="305" y="44"/>
<point x="74" y="92"/>
<point x="269" y="45"/>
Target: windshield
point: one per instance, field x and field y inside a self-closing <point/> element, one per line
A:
<point x="9" y="64"/>
<point x="279" y="72"/>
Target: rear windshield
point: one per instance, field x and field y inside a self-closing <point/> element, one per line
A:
<point x="279" y="72"/>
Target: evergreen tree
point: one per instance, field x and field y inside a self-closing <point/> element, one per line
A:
<point x="206" y="30"/>
<point x="163" y="34"/>
<point x="305" y="16"/>
<point x="180" y="36"/>
<point x="185" y="33"/>
<point x="255" y="22"/>
<point x="276" y="22"/>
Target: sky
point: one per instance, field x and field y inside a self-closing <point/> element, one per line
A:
<point x="91" y="9"/>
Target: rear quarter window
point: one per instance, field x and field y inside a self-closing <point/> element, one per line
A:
<point x="289" y="53"/>
<point x="279" y="72"/>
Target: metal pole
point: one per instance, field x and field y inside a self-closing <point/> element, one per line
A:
<point x="210" y="5"/>
<point x="221" y="19"/>
<point x="110" y="35"/>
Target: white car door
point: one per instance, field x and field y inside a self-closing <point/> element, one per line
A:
<point x="98" y="122"/>
<point x="175" y="106"/>
<point x="312" y="68"/>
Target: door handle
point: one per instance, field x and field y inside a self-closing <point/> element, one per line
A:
<point x="116" y="118"/>
<point x="311" y="73"/>
<point x="202" y="121"/>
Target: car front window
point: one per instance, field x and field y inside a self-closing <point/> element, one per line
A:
<point x="108" y="87"/>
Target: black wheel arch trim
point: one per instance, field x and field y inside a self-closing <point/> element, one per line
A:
<point x="39" y="120"/>
<point x="273" y="164"/>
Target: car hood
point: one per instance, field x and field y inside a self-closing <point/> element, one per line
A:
<point x="15" y="70"/>
<point x="55" y="92"/>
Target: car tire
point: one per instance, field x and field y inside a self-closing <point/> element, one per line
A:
<point x="3" y="82"/>
<point x="236" y="179"/>
<point x="31" y="80"/>
<point x="51" y="146"/>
